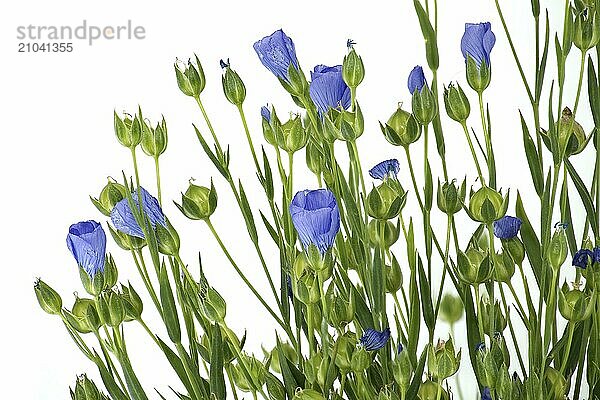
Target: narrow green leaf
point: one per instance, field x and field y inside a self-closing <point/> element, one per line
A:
<point x="247" y="213"/>
<point x="533" y="159"/>
<point x="167" y="301"/>
<point x="584" y="195"/>
<point x="431" y="50"/>
<point x="217" y="378"/>
<point x="176" y="364"/>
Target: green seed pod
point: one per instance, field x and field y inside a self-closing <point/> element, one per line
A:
<point x="402" y="369"/>
<point x="85" y="389"/>
<point x="385" y="201"/>
<point x="361" y="360"/>
<point x="473" y="266"/>
<point x="233" y="86"/>
<point x="128" y="130"/>
<point x="424" y="106"/>
<point x="198" y="202"/>
<point x="132" y="302"/>
<point x="401" y="129"/>
<point x="574" y="305"/>
<point x="478" y="77"/>
<point x="499" y="323"/>
<point x="111" y="274"/>
<point x="308" y="394"/>
<point x="346" y="345"/>
<point x="558" y="248"/>
<point x="390" y="234"/>
<point x="190" y="77"/>
<point x="451" y="308"/>
<point x="341" y="312"/>
<point x="213" y="306"/>
<point x="429" y="391"/>
<point x="154" y="140"/>
<point x="450" y="198"/>
<point x="456" y="103"/>
<point x="443" y="362"/>
<point x="514" y="247"/>
<point x="110" y="195"/>
<point x="257" y="373"/>
<point x="393" y="277"/>
<point x="353" y="69"/>
<point x="84" y="317"/>
<point x="586" y="34"/>
<point x="291" y="136"/>
<point x="504" y="267"/>
<point x="48" y="298"/>
<point x="168" y="239"/>
<point x="487" y="205"/>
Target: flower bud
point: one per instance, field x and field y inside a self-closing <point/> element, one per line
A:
<point x="487" y="205"/>
<point x="341" y="312"/>
<point x="291" y="136"/>
<point x="402" y="369"/>
<point x="168" y="239"/>
<point x="288" y="351"/>
<point x="586" y="33"/>
<point x="361" y="360"/>
<point x="110" y="195"/>
<point x="112" y="308"/>
<point x="390" y="233"/>
<point x="451" y="308"/>
<point x="558" y="248"/>
<point x="393" y="276"/>
<point x="85" y="389"/>
<point x="555" y="387"/>
<point x="499" y="322"/>
<point x="424" y="105"/>
<point x="353" y="69"/>
<point x="190" y="77"/>
<point x="83" y="316"/>
<point x="212" y="305"/>
<point x="478" y="77"/>
<point x="132" y="302"/>
<point x="457" y="103"/>
<point x="488" y="368"/>
<point x="571" y="136"/>
<point x="312" y="365"/>
<point x="275" y="388"/>
<point x="504" y="267"/>
<point x="154" y="140"/>
<point x="308" y="394"/>
<point x="442" y="361"/>
<point x="574" y="305"/>
<point x="198" y="202"/>
<point x="256" y="371"/>
<point x="49" y="299"/>
<point x="314" y="158"/>
<point x="450" y="198"/>
<point x="514" y="247"/>
<point x="429" y="391"/>
<point x="345" y="345"/>
<point x="401" y="129"/>
<point x="111" y="274"/>
<point x="306" y="289"/>
<point x="128" y="130"/>
<point x="473" y="266"/>
<point x="386" y="200"/>
<point x="233" y="86"/>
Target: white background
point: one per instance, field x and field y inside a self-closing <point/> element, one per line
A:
<point x="57" y="144"/>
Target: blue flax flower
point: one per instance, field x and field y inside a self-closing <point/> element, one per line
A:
<point x="507" y="227"/>
<point x="265" y="113"/>
<point x="385" y="169"/>
<point x="400" y="348"/>
<point x="277" y="52"/>
<point x="477" y="42"/>
<point x="416" y="80"/>
<point x="124" y="220"/>
<point x="328" y="89"/>
<point x="486" y="394"/>
<point x="580" y="259"/>
<point x="597" y="255"/>
<point x="316" y="217"/>
<point x="373" y="340"/>
<point x="87" y="242"/>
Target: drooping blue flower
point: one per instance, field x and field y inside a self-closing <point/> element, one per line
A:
<point x="123" y="219"/>
<point x="507" y="227"/>
<point x="328" y="89"/>
<point x="486" y="394"/>
<point x="416" y="80"/>
<point x="597" y="255"/>
<point x="373" y="339"/>
<point x="316" y="217"/>
<point x="277" y="52"/>
<point x="87" y="242"/>
<point x="265" y="113"/>
<point x="385" y="169"/>
<point x="477" y="42"/>
<point x="581" y="258"/>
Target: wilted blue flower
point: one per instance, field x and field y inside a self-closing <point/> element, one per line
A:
<point x="316" y="217"/>
<point x="224" y="64"/>
<point x="124" y="220"/>
<point x="507" y="227"/>
<point x="265" y="113"/>
<point x="480" y="347"/>
<point x="597" y="255"/>
<point x="486" y="394"/>
<point x="477" y="42"/>
<point x="385" y="169"/>
<point x="400" y="348"/>
<point x="580" y="259"/>
<point x="277" y="52"/>
<point x="87" y="242"/>
<point x="416" y="79"/>
<point x="328" y="89"/>
<point x="373" y="340"/>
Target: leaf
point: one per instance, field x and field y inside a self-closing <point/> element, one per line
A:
<point x="217" y="378"/>
<point x="542" y="67"/>
<point x="530" y="241"/>
<point x="426" y="303"/>
<point x="414" y="317"/>
<point x="109" y="382"/>
<point x="167" y="301"/>
<point x="247" y="213"/>
<point x="210" y="154"/>
<point x="565" y="216"/>
<point x="292" y="378"/>
<point x="593" y="92"/>
<point x="270" y="228"/>
<point x="431" y="50"/>
<point x="413" y="389"/>
<point x="176" y="364"/>
<point x="533" y="159"/>
<point x="584" y="195"/>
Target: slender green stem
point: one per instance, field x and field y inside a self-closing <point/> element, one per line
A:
<point x="152" y="335"/>
<point x="311" y="329"/>
<point x="479" y="316"/>
<point x="158" y="189"/>
<point x="199" y="392"/>
<point x="208" y="123"/>
<point x="444" y="272"/>
<point x="571" y="330"/>
<point x="492" y="283"/>
<point x="249" y="138"/>
<point x="147" y="282"/>
<point x="475" y="159"/>
<point x="109" y="362"/>
<point x="135" y="167"/>
<point x="488" y="144"/>
<point x="414" y="180"/>
<point x="457" y="376"/>
<point x="512" y="331"/>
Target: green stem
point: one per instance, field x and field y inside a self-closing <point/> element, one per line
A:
<point x="488" y="144"/>
<point x="479" y="316"/>
<point x="457" y="376"/>
<point x="135" y="167"/>
<point x="210" y="127"/>
<point x="152" y="335"/>
<point x="157" y="169"/>
<point x="249" y="138"/>
<point x="446" y="255"/>
<point x="473" y="154"/>
<point x="512" y="331"/>
<point x="109" y="362"/>
<point x="199" y="392"/>
<point x="568" y="347"/>
<point x="147" y="282"/>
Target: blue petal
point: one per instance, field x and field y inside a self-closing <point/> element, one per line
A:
<point x="416" y="79"/>
<point x="124" y="220"/>
<point x="581" y="257"/>
<point x="328" y="89"/>
<point x="265" y="113"/>
<point x="276" y="52"/>
<point x="597" y="255"/>
<point x="86" y="240"/>
<point x="374" y="340"/>
<point x="486" y="395"/>
<point x="477" y="42"/>
<point x="507" y="227"/>
<point x="387" y="168"/>
<point x="316" y="218"/>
